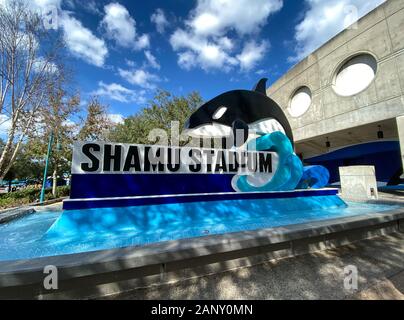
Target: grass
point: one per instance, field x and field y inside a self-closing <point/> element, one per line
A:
<point x="30" y="195"/>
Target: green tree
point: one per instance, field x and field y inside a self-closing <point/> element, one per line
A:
<point x="162" y="110"/>
<point x="24" y="166"/>
<point x="27" y="165"/>
<point x="97" y="124"/>
<point x="61" y="106"/>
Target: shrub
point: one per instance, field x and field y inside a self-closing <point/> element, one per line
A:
<point x="30" y="195"/>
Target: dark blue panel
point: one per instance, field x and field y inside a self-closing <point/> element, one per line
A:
<point x="359" y="150"/>
<point x="126" y="185"/>
<point x="128" y="202"/>
<point x="383" y="155"/>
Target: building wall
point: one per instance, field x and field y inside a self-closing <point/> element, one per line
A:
<point x="380" y="33"/>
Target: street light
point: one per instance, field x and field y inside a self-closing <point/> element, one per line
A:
<point x="45" y="174"/>
<point x="328" y="144"/>
<point x="380" y="133"/>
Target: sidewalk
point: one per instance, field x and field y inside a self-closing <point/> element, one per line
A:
<point x="380" y="264"/>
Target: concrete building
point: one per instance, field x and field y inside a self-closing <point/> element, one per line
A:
<point x="350" y="91"/>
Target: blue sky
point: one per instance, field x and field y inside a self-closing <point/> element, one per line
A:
<point x="123" y="51"/>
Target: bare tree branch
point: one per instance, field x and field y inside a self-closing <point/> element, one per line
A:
<point x="28" y="65"/>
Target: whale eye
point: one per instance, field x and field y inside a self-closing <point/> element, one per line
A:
<point x="219" y="112"/>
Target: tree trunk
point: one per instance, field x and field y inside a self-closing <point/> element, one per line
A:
<point x="6" y="151"/>
<point x="7" y="148"/>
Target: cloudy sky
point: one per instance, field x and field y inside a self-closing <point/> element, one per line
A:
<point x="124" y="50"/>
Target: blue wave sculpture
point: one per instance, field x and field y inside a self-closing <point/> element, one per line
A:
<point x="314" y="177"/>
<point x="290" y="168"/>
<point x="290" y="174"/>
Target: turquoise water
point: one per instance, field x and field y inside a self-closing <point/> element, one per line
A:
<point x="54" y="233"/>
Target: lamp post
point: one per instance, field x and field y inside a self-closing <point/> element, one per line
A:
<point x="55" y="169"/>
<point x="45" y="174"/>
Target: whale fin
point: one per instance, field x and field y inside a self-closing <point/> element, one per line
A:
<point x="261" y="86"/>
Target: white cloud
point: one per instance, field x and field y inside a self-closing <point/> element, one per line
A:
<point x="251" y="54"/>
<point x="199" y="51"/>
<point x="187" y="60"/>
<point x="130" y="63"/>
<point x="160" y="20"/>
<point x="325" y="19"/>
<point x="139" y="77"/>
<point x="143" y="42"/>
<point x="214" y="17"/>
<point x="226" y="43"/>
<point x="70" y="4"/>
<point x="45" y="4"/>
<point x="69" y="123"/>
<point x="121" y="27"/>
<point x="82" y="42"/>
<point x="72" y="125"/>
<point x="116" y="118"/>
<point x="38" y="5"/>
<point x="41" y="65"/>
<point x="5" y="124"/>
<point x="117" y="92"/>
<point x="151" y="59"/>
<point x="206" y="41"/>
<point x="90" y="6"/>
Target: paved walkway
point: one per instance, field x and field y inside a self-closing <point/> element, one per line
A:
<point x="380" y="264"/>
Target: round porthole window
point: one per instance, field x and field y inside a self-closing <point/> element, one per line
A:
<point x="355" y="75"/>
<point x="300" y="102"/>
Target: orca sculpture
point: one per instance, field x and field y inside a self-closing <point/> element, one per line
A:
<point x="240" y="109"/>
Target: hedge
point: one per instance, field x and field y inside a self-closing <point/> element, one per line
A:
<point x="30" y="195"/>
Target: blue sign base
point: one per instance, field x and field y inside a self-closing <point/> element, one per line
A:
<point x="112" y="202"/>
<point x="84" y="186"/>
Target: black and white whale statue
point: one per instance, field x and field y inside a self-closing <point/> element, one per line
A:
<point x="239" y="109"/>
